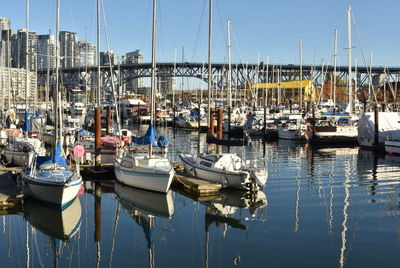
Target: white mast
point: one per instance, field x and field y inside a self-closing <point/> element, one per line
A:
<point x="27" y="57"/>
<point x="229" y="66"/>
<point x="334" y="66"/>
<point x="57" y="66"/>
<point x="301" y="75"/>
<point x="209" y="63"/>
<point x="153" y="70"/>
<point x="350" y="51"/>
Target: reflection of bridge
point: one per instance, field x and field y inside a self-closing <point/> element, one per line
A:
<point x="241" y="73"/>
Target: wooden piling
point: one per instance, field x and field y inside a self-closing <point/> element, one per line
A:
<point x="98" y="137"/>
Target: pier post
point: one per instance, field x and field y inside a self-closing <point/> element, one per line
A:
<point x="97" y="137"/>
<point x="108" y="120"/>
<point x="219" y="123"/>
<point x="212" y="127"/>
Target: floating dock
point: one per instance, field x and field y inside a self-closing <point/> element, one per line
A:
<point x="196" y="188"/>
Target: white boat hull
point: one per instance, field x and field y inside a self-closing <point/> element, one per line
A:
<point x="149" y="178"/>
<point x="53" y="193"/>
<point x="232" y="179"/>
<point x="392" y="147"/>
<point x="290" y="134"/>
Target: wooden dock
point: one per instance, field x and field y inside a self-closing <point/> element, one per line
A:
<point x="195" y="187"/>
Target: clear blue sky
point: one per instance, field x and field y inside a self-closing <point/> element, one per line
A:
<point x="261" y="27"/>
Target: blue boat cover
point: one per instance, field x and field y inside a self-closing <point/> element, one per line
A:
<point x="57" y="157"/>
<point x="84" y="132"/>
<point x="42" y="159"/>
<point x="25" y="127"/>
<point x="147" y="138"/>
<point x="162" y="141"/>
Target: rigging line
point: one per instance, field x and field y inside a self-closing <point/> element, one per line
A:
<point x="70" y="15"/>
<point x="198" y="30"/>
<point x="160" y="31"/>
<point x="237" y="47"/>
<point x="220" y="21"/>
<point x="363" y="54"/>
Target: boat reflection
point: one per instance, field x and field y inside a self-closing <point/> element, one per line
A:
<point x="54" y="222"/>
<point x="59" y="225"/>
<point x="145" y="202"/>
<point x="224" y="211"/>
<point x="144" y="207"/>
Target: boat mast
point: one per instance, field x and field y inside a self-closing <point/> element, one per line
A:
<point x="26" y="59"/>
<point x="57" y="133"/>
<point x="98" y="109"/>
<point x="48" y="72"/>
<point x="209" y="64"/>
<point x="153" y="71"/>
<point x="229" y="66"/>
<point x="301" y="75"/>
<point x="334" y="66"/>
<point x="350" y="51"/>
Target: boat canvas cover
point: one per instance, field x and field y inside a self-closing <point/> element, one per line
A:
<point x="25" y="127"/>
<point x="147" y="138"/>
<point x="388" y="124"/>
<point x="57" y="157"/>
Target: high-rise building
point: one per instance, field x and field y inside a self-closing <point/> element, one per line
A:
<point x="87" y="53"/>
<point x="165" y="84"/>
<point x="69" y="52"/>
<point x="5" y="23"/>
<point x="18" y="53"/>
<point x="5" y="47"/>
<point x="46" y="49"/>
<point x="107" y="56"/>
<point x="134" y="57"/>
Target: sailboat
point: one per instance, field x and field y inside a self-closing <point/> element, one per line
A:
<point x="49" y="178"/>
<point x="18" y="149"/>
<point x="341" y="130"/>
<point x="147" y="172"/>
<point x="227" y="169"/>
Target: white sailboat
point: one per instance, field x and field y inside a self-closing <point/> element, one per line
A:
<point x="226" y="169"/>
<point x="17" y="150"/>
<point x="147" y="172"/>
<point x="49" y="178"/>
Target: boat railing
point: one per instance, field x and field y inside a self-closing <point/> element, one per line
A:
<point x="165" y="165"/>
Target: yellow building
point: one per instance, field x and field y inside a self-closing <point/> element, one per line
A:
<point x="289" y="90"/>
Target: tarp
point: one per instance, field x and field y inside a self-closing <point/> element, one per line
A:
<point x="57" y="156"/>
<point x="162" y="141"/>
<point x="147" y="138"/>
<point x="25" y="127"/>
<point x="84" y="132"/>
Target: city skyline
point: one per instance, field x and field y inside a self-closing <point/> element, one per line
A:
<point x="260" y="30"/>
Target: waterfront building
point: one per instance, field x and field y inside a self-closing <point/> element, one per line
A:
<point x="5" y="47"/>
<point x="134" y="57"/>
<point x="18" y="51"/>
<point x="46" y="46"/>
<point x="107" y="56"/>
<point x="5" y="23"/>
<point x="69" y="51"/>
<point x="12" y="85"/>
<point x="87" y="53"/>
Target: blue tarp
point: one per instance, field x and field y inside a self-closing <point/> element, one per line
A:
<point x="84" y="132"/>
<point x="25" y="127"/>
<point x="148" y="138"/>
<point x="57" y="157"/>
<point x="42" y="159"/>
<point x="162" y="141"/>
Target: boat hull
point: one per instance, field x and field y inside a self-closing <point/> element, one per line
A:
<point x="149" y="178"/>
<point x="237" y="180"/>
<point x="57" y="194"/>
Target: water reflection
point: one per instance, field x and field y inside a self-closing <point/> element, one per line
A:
<point x="59" y="225"/>
<point x="144" y="207"/>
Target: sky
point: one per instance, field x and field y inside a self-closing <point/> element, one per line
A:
<point x="261" y="29"/>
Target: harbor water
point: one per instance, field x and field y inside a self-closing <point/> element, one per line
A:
<point x="336" y="207"/>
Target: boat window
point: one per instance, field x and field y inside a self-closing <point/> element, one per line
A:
<point x="205" y="164"/>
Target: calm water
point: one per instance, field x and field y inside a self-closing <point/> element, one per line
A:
<point x="321" y="208"/>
